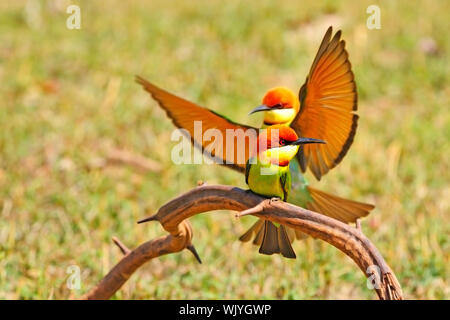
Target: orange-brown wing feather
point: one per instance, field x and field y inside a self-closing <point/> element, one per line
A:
<point x="183" y="114"/>
<point x="328" y="103"/>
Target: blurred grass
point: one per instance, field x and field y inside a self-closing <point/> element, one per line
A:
<point x="69" y="95"/>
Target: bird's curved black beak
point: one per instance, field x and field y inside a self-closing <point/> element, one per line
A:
<point x="260" y="108"/>
<point x="300" y="141"/>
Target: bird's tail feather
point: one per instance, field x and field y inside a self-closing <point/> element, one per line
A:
<point x="341" y="209"/>
<point x="335" y="207"/>
<point x="271" y="239"/>
<point x="278" y="240"/>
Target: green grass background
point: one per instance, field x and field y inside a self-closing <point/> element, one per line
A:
<point x="69" y="95"/>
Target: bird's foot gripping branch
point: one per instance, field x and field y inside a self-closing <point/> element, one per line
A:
<point x="173" y="217"/>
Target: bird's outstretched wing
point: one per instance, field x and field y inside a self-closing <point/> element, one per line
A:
<point x="184" y="113"/>
<point x="285" y="181"/>
<point x="328" y="101"/>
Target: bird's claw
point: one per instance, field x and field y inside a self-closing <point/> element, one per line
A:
<point x="274" y="199"/>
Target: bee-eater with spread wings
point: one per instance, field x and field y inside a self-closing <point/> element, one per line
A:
<point x="324" y="109"/>
<point x="267" y="173"/>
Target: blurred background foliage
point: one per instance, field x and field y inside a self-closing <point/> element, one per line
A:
<point x="69" y="98"/>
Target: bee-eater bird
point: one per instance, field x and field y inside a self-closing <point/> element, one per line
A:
<point x="325" y="108"/>
<point x="267" y="173"/>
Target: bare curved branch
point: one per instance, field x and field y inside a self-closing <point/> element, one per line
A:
<point x="204" y="198"/>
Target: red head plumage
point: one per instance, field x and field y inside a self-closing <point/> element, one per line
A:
<point x="281" y="98"/>
<point x="275" y="136"/>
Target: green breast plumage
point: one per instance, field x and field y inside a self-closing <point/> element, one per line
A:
<point x="268" y="179"/>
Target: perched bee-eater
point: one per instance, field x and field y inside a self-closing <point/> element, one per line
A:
<point x="325" y="108"/>
<point x="267" y="173"/>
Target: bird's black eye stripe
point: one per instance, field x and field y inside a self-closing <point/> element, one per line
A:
<point x="277" y="106"/>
